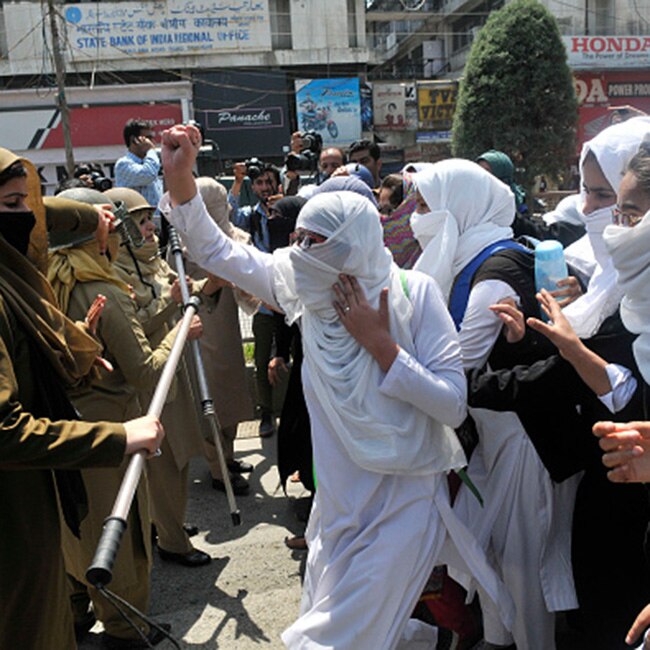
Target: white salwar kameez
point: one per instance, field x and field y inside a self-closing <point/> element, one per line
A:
<point x="373" y="537"/>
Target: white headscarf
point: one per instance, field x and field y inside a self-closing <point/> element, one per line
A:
<point x="630" y="251"/>
<point x="568" y="210"/>
<point x="470" y="209"/>
<point x="613" y="148"/>
<point x="380" y="433"/>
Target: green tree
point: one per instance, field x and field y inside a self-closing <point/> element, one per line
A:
<point x="517" y="93"/>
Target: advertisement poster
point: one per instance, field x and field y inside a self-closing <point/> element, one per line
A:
<point x="600" y="93"/>
<point x="365" y="93"/>
<point x="389" y="103"/>
<point x="436" y="105"/>
<point x="330" y="107"/>
<point x="245" y="113"/>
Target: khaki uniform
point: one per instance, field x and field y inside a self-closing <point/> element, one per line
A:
<point x="168" y="473"/>
<point x="33" y="591"/>
<point x="225" y="370"/>
<point x="221" y="344"/>
<point x="39" y="353"/>
<point x="114" y="395"/>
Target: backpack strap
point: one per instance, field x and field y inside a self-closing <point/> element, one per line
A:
<point x="463" y="282"/>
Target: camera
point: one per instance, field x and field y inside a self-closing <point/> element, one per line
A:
<point x="307" y="159"/>
<point x="254" y="168"/>
<point x="93" y="176"/>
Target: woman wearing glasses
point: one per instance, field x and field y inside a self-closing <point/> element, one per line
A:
<point x="382" y="377"/>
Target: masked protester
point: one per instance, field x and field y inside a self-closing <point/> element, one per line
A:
<point x="382" y="373"/>
<point x="42" y="352"/>
<point x="78" y="271"/>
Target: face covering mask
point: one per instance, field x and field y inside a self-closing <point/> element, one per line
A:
<point x="16" y="227"/>
<point x="426" y="226"/>
<point x="596" y="222"/>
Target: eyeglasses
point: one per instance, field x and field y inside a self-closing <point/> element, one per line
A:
<point x="621" y="218"/>
<point x="305" y="238"/>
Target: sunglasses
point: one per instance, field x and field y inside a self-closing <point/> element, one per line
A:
<point x="305" y="238"/>
<point x="624" y="219"/>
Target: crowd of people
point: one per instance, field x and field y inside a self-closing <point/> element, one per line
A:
<point x="442" y="409"/>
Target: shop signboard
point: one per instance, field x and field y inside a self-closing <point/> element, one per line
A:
<point x="126" y="30"/>
<point x="245" y="113"/>
<point x="600" y="52"/>
<point x="602" y="95"/>
<point x="96" y="131"/>
<point x="436" y="105"/>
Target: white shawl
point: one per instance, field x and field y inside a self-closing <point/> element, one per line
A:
<point x="380" y="433"/>
<point x="470" y="209"/>
<point x="568" y="210"/>
<point x="630" y="251"/>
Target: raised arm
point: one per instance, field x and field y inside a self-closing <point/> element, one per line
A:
<point x="245" y="266"/>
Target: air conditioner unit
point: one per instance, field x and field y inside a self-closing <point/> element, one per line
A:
<point x="473" y="31"/>
<point x="391" y="40"/>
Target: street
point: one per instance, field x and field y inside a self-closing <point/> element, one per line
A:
<point x="250" y="592"/>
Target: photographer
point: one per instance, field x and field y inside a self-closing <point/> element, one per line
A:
<point x="265" y="181"/>
<point x="93" y="177"/>
<point x="307" y="154"/>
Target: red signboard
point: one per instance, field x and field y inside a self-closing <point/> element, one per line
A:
<point x="599" y="92"/>
<point x="95" y="126"/>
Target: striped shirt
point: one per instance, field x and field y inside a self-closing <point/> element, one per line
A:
<point x="141" y="175"/>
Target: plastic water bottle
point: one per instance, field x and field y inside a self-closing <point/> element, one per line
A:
<point x="550" y="266"/>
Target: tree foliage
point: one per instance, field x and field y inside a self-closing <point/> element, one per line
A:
<point x="517" y="93"/>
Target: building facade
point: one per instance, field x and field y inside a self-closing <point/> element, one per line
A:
<point x="607" y="43"/>
<point x="234" y="65"/>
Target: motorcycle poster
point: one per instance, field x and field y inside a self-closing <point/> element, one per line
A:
<point x="331" y="107"/>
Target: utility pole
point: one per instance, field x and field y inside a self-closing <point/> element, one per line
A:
<point x="61" y="103"/>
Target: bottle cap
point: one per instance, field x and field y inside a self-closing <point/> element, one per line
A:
<point x="549" y="250"/>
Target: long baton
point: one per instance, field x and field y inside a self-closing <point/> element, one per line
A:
<point x="100" y="572"/>
<point x="207" y="403"/>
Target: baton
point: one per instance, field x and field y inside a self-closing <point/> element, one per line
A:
<point x="207" y="403"/>
<point x="100" y="572"/>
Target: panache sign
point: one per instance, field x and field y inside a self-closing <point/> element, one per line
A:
<point x="607" y="51"/>
<point x="244" y="118"/>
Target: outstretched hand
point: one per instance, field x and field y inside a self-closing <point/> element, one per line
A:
<point x="627" y="450"/>
<point x="558" y="329"/>
<point x="180" y="147"/>
<point x="369" y="326"/>
<point x="514" y="324"/>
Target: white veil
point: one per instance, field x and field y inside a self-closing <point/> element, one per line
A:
<point x="470" y="209"/>
<point x="380" y="433"/>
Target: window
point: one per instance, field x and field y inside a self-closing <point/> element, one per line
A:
<point x="280" y="24"/>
